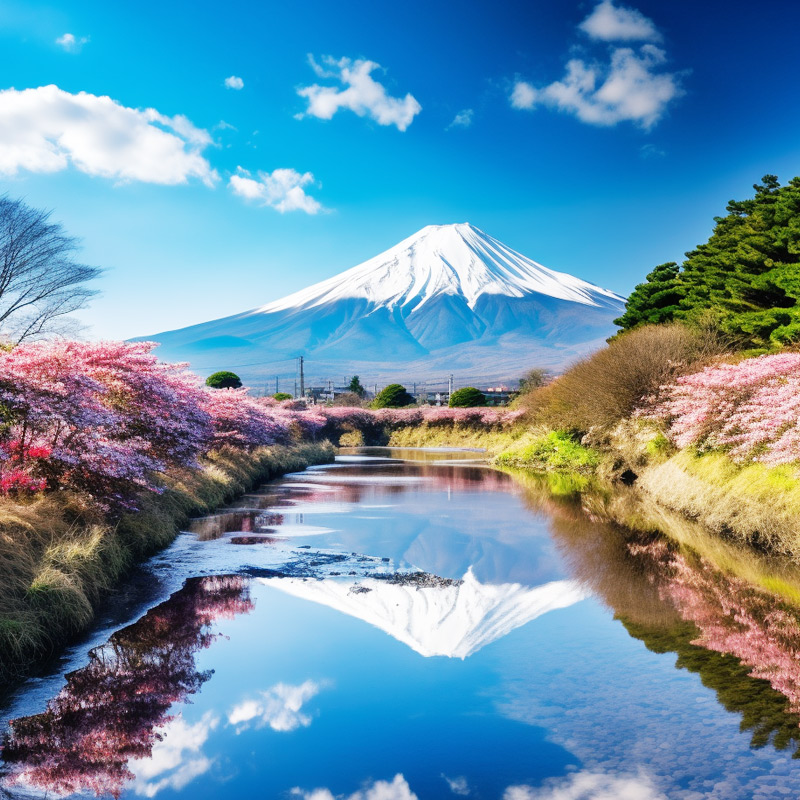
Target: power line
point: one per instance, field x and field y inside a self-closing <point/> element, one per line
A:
<point x="251" y="364"/>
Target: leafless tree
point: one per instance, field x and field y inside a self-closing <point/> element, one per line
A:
<point x="40" y="280"/>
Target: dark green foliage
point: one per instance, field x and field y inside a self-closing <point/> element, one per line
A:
<point x="355" y="386"/>
<point x="655" y="301"/>
<point x="468" y="397"/>
<point x="393" y="396"/>
<point x="281" y="396"/>
<point x="747" y="274"/>
<point x="223" y="380"/>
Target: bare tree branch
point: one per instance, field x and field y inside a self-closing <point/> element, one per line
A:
<point x="40" y="280"/>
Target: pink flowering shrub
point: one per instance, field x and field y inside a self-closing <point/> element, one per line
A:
<point x="751" y="409"/>
<point x="421" y="415"/>
<point x="99" y="417"/>
<point x="344" y="419"/>
<point x="105" y="418"/>
<point x="240" y="421"/>
<point x="304" y="425"/>
<point x="375" y="424"/>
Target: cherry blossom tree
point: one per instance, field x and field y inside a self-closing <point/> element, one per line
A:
<point x="240" y="421"/>
<point x="98" y="417"/>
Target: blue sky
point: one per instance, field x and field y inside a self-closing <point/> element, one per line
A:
<point x="597" y="138"/>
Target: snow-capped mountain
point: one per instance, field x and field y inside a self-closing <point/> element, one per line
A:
<point x="450" y="298"/>
<point x="455" y="620"/>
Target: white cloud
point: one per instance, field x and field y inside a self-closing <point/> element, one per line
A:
<point x="627" y="89"/>
<point x="523" y="95"/>
<point x="71" y="43"/>
<point x="362" y="94"/>
<point x="628" y="86"/>
<point x="280" y="707"/>
<point x="281" y="189"/>
<point x="458" y="786"/>
<point x="234" y="82"/>
<point x="463" y="119"/>
<point x="177" y="757"/>
<point x="47" y="130"/>
<point x="650" y="150"/>
<point x="611" y="23"/>
<point x="398" y="789"/>
<point x="590" y="786"/>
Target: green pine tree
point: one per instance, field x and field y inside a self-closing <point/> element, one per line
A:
<point x="655" y="301"/>
<point x="747" y="274"/>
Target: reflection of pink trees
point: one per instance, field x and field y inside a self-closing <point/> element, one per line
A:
<point x="353" y="484"/>
<point x="110" y="711"/>
<point x="736" y="618"/>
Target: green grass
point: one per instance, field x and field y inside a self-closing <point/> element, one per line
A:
<point x="659" y="446"/>
<point x="555" y="450"/>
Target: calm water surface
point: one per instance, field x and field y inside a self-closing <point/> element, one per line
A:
<point x="407" y="624"/>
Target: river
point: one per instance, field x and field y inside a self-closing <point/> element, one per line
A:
<point x="405" y="624"/>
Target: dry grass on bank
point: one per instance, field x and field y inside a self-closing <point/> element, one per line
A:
<point x="492" y="440"/>
<point x="59" y="556"/>
<point x="753" y="504"/>
<point x="607" y="386"/>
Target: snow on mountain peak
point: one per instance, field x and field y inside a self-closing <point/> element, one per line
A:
<point x="458" y="260"/>
<point x="454" y="621"/>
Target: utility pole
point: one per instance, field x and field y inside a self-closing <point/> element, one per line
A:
<point x="302" y="379"/>
<point x="276" y="385"/>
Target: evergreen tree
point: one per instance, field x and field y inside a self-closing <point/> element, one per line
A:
<point x="223" y="380"/>
<point x="747" y="274"/>
<point x="655" y="301"/>
<point x="355" y="386"/>
<point x="393" y="396"/>
<point x="468" y="397"/>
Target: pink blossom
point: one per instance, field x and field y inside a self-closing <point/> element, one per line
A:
<point x="240" y="421"/>
<point x="105" y="418"/>
<point x="750" y="409"/>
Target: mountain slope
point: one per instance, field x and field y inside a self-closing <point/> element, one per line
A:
<point x="448" y="298"/>
<point x="454" y="621"/>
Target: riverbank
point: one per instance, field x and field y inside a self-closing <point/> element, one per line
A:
<point x="633" y="476"/>
<point x="61" y="556"/>
<point x="674" y="414"/>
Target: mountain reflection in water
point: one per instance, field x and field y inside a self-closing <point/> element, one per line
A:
<point x="453" y="620"/>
